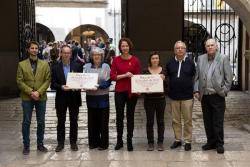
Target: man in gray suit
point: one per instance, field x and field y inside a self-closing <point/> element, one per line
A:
<point x="212" y="83"/>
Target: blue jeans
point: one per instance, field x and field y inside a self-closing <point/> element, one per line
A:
<point x="40" y="107"/>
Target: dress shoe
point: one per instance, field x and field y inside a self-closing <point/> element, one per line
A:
<point x="160" y="147"/>
<point x="208" y="147"/>
<point x="26" y="150"/>
<point x="74" y="147"/>
<point x="92" y="147"/>
<point x="150" y="147"/>
<point x="42" y="148"/>
<point x="220" y="150"/>
<point x="187" y="147"/>
<point x="175" y="144"/>
<point x="102" y="148"/>
<point x="119" y="145"/>
<point x="129" y="145"/>
<point x="59" y="147"/>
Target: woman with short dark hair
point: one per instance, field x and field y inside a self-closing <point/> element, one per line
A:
<point x="154" y="104"/>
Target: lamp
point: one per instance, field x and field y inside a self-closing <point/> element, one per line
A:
<point x="88" y="33"/>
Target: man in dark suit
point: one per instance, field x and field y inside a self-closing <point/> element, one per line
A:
<point x="66" y="98"/>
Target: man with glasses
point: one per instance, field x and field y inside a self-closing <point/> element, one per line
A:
<point x="66" y="98"/>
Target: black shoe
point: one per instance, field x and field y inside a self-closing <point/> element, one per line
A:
<point x="160" y="147"/>
<point x="102" y="148"/>
<point x="74" y="147"/>
<point x="59" y="148"/>
<point x="42" y="148"/>
<point x="220" y="150"/>
<point x="187" y="147"/>
<point x="92" y="147"/>
<point x="208" y="147"/>
<point x="129" y="145"/>
<point x="150" y="147"/>
<point x="119" y="145"/>
<point x="175" y="144"/>
<point x="26" y="150"/>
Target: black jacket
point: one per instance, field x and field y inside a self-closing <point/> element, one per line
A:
<point x="69" y="98"/>
<point x="181" y="88"/>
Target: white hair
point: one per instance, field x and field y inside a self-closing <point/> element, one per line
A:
<point x="97" y="50"/>
<point x="181" y="42"/>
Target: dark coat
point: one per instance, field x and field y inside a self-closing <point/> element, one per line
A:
<point x="71" y="98"/>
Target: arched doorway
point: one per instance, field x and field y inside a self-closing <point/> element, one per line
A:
<point x="87" y="32"/>
<point x="44" y="33"/>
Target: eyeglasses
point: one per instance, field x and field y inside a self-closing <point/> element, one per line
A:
<point x="180" y="48"/>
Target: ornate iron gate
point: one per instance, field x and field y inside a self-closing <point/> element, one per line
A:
<point x="212" y="18"/>
<point x="26" y="25"/>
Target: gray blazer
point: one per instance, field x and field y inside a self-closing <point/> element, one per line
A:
<point x="222" y="75"/>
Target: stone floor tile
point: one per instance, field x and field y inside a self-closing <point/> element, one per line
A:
<point x="97" y="163"/>
<point x="138" y="163"/>
<point x="183" y="164"/>
<point x="61" y="164"/>
<point x="216" y="164"/>
<point x="66" y="154"/>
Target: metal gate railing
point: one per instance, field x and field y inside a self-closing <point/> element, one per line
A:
<point x="26" y="25"/>
<point x="212" y="18"/>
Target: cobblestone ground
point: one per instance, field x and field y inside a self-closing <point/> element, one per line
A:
<point x="237" y="140"/>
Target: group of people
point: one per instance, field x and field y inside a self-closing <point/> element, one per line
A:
<point x="209" y="81"/>
<point x="51" y="51"/>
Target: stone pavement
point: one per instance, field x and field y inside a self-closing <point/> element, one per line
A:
<point x="237" y="140"/>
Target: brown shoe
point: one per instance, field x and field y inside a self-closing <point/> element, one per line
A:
<point x="26" y="150"/>
<point x="41" y="148"/>
<point x="150" y="147"/>
<point x="160" y="147"/>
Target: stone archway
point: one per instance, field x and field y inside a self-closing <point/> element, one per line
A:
<point x="85" y="32"/>
<point x="44" y="33"/>
<point x="242" y="8"/>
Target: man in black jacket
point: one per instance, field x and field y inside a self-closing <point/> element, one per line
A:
<point x="180" y="72"/>
<point x="66" y="98"/>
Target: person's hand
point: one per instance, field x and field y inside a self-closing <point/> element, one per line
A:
<point x="65" y="88"/>
<point x="35" y="95"/>
<point x="93" y="89"/>
<point x="197" y="95"/>
<point x="128" y="74"/>
<point x="162" y="77"/>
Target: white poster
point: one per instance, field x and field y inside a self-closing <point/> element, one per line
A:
<point x="147" y="84"/>
<point x="82" y="80"/>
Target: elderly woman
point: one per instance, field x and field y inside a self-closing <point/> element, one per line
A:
<point x="98" y="101"/>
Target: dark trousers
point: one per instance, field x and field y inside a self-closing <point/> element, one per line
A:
<point x="122" y="98"/>
<point x="73" y="117"/>
<point x="213" y="107"/>
<point x="155" y="106"/>
<point x="40" y="107"/>
<point x="98" y="127"/>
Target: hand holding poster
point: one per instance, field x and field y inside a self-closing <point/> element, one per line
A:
<point x="82" y="80"/>
<point x="147" y="84"/>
